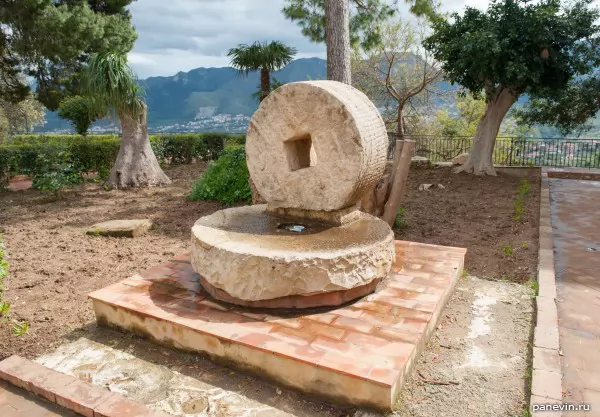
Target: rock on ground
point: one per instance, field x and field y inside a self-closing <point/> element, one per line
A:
<point x="460" y="159"/>
<point x="121" y="228"/>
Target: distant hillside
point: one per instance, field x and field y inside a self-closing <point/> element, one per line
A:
<point x="206" y="98"/>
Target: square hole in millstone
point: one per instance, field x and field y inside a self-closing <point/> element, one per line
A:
<point x="300" y="152"/>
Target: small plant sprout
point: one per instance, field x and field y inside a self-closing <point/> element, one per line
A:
<point x="400" y="220"/>
<point x="20" y="328"/>
<point x="508" y="250"/>
<point x="519" y="204"/>
<point x="534" y="285"/>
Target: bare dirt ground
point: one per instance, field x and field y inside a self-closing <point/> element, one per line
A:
<point x="54" y="265"/>
<point x="480" y="351"/>
<point x="476" y="213"/>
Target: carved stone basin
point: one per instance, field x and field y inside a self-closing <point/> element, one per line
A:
<point x="246" y="257"/>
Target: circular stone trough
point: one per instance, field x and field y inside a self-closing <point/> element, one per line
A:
<point x="244" y="257"/>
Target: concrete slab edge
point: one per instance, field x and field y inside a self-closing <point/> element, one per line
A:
<point x="69" y="392"/>
<point x="546" y="378"/>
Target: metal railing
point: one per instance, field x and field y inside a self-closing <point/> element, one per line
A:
<point x="510" y="151"/>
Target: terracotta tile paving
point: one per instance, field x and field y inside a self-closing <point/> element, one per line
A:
<point x="15" y="402"/>
<point x="576" y="227"/>
<point x="359" y="352"/>
<point x="65" y="395"/>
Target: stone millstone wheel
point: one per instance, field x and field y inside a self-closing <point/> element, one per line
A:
<point x="246" y="256"/>
<point x="316" y="145"/>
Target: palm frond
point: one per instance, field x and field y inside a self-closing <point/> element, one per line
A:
<point x="112" y="85"/>
<point x="271" y="56"/>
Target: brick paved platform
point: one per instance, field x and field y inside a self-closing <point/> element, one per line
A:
<point x="357" y="354"/>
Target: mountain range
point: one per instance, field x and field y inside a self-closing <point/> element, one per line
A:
<point x="203" y="99"/>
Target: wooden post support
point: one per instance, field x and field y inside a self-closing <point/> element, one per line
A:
<point x="399" y="185"/>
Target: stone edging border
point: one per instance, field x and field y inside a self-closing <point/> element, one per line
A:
<point x="69" y="392"/>
<point x="546" y="380"/>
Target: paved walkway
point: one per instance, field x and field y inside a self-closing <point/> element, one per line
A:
<point x="15" y="402"/>
<point x="575" y="207"/>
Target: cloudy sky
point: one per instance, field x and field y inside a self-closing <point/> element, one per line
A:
<point x="180" y="35"/>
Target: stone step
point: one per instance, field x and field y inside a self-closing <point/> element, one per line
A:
<point x="68" y="392"/>
<point x="357" y="354"/>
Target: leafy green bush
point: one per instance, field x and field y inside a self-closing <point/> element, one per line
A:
<point x="225" y="180"/>
<point x="178" y="148"/>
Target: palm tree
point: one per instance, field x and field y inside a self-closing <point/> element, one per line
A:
<point x="113" y="89"/>
<point x="265" y="57"/>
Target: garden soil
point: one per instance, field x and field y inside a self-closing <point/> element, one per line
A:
<point x="54" y="264"/>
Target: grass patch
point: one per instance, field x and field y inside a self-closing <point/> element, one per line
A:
<point x="520" y="203"/>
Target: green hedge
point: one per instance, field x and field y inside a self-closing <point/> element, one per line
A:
<point x="35" y="155"/>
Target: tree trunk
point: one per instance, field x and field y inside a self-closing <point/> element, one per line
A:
<point x="480" y="161"/>
<point x="265" y="83"/>
<point x="337" y="38"/>
<point x="400" y="129"/>
<point x="136" y="164"/>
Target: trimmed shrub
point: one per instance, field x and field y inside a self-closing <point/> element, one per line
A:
<point x="226" y="179"/>
<point x="43" y="155"/>
<point x="235" y="140"/>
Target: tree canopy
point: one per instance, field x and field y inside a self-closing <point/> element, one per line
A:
<point x="112" y="86"/>
<point x="270" y="56"/>
<point x="515" y="47"/>
<point x="398" y="74"/>
<point x="20" y="117"/>
<point x="51" y="41"/>
<point x="527" y="47"/>
<point x="365" y="18"/>
<point x="78" y="111"/>
<point x="569" y="110"/>
<point x="265" y="57"/>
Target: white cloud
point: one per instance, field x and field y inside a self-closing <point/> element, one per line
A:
<point x="180" y="35"/>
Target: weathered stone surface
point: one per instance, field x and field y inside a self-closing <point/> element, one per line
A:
<point x="121" y="228"/>
<point x="316" y="145"/>
<point x="336" y="217"/>
<point x="243" y="252"/>
<point x="460" y="159"/>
